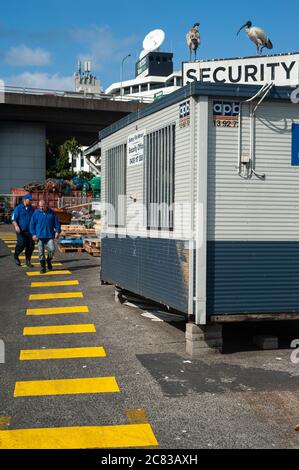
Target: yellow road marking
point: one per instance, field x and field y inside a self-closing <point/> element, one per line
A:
<point x="137" y="416"/>
<point x="49" y="273"/>
<point x="55" y="284"/>
<point x="38" y="264"/>
<point x="61" y="295"/>
<point x="4" y="422"/>
<point x="32" y="257"/>
<point x="66" y="387"/>
<point x="65" y="353"/>
<point x="57" y="310"/>
<point x="101" y="437"/>
<point x="58" y="330"/>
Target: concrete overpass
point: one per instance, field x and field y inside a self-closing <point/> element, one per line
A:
<point x="29" y="117"/>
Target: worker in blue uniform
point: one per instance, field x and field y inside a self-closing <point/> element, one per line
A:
<point x="21" y="218"/>
<point x="45" y="228"/>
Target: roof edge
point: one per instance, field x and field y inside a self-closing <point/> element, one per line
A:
<point x="196" y="89"/>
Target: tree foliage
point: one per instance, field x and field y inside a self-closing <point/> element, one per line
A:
<point x="57" y="158"/>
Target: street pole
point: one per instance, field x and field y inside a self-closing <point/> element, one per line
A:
<point x="121" y="74"/>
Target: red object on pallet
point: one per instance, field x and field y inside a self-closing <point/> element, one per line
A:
<point x="50" y="198"/>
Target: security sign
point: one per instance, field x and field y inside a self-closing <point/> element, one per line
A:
<point x="281" y="69"/>
<point x="135" y="148"/>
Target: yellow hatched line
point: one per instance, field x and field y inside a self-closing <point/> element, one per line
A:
<point x="32" y="257"/>
<point x="57" y="310"/>
<point x="58" y="330"/>
<point x="55" y="284"/>
<point x="66" y="387"/>
<point x="101" y="437"/>
<point x="65" y="353"/>
<point x="61" y="295"/>
<point x="49" y="273"/>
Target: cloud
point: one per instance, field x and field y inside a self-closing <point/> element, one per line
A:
<point x="23" y="56"/>
<point x="43" y="81"/>
<point x="102" y="46"/>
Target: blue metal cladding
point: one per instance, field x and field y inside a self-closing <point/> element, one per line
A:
<point x="155" y="268"/>
<point x="243" y="277"/>
<point x="252" y="277"/>
<point x="295" y="144"/>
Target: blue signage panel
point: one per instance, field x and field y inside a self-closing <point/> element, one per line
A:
<point x="295" y="144"/>
<point x="226" y="108"/>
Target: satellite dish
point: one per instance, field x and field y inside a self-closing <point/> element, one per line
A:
<point x="153" y="40"/>
<point x="143" y="54"/>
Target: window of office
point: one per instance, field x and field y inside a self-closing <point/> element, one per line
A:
<point x="159" y="178"/>
<point x="116" y="176"/>
<point x="156" y="86"/>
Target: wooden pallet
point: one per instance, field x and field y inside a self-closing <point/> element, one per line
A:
<point x="92" y="250"/>
<point x="76" y="234"/>
<point x="78" y="230"/>
<point x="93" y="242"/>
<point x="70" y="249"/>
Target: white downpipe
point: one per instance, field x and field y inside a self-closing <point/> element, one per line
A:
<point x="201" y="210"/>
<point x="252" y="122"/>
<point x="265" y="88"/>
<point x="193" y="115"/>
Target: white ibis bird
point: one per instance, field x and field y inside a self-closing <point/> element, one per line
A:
<point x="193" y="39"/>
<point x="258" y="36"/>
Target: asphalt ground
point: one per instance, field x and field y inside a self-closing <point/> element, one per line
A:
<point x="242" y="399"/>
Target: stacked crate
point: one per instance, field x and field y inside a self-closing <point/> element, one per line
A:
<point x="77" y="238"/>
<point x="92" y="246"/>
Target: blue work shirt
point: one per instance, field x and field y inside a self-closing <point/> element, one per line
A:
<point x="44" y="224"/>
<point x="22" y="216"/>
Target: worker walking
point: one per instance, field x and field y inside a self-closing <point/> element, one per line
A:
<point x="21" y="220"/>
<point x="44" y="228"/>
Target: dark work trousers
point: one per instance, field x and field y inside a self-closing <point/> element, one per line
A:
<point x="24" y="241"/>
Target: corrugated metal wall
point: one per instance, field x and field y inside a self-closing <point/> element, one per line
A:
<point x="156" y="265"/>
<point x="254" y="209"/>
<point x="115" y="173"/>
<point x="253" y="225"/>
<point x="136" y="222"/>
<point x="252" y="277"/>
<point x="157" y="269"/>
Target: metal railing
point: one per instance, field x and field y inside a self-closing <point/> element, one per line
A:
<point x="73" y="94"/>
